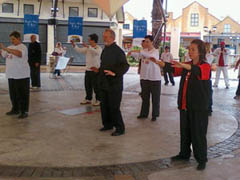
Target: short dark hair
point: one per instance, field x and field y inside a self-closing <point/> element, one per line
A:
<point x="201" y="49"/>
<point x="15" y="34"/>
<point x="93" y="37"/>
<point x="167" y="47"/>
<point x="149" y="37"/>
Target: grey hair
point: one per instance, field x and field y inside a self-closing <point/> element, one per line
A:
<point x="111" y="32"/>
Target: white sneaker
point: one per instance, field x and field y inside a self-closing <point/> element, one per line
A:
<point x="96" y="103"/>
<point x="85" y="101"/>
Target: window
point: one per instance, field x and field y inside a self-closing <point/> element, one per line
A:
<point x="126" y="26"/>
<point x="28" y="9"/>
<point x="227" y="28"/>
<point x="73" y="11"/>
<point x="7" y="8"/>
<point x="194" y="19"/>
<point x="92" y="12"/>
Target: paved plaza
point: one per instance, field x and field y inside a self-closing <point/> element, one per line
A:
<point x="60" y="140"/>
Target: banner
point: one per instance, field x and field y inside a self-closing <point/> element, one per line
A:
<point x="139" y="31"/>
<point x="75" y="25"/>
<point x="31" y="27"/>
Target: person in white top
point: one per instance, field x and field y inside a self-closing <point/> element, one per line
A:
<point x="167" y="58"/>
<point x="59" y="51"/>
<point x="150" y="78"/>
<point x="92" y="52"/>
<point x="222" y="64"/>
<point x="18" y="74"/>
<point x="209" y="60"/>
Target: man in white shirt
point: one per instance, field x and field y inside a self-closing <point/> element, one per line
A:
<point x="167" y="58"/>
<point x="18" y="74"/>
<point x="150" y="79"/>
<point x="92" y="52"/>
<point x="222" y="64"/>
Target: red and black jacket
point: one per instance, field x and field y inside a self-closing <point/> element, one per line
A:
<point x="195" y="85"/>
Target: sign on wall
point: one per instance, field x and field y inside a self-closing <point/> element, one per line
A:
<point x="31" y="27"/>
<point x="75" y="26"/>
<point x="139" y="31"/>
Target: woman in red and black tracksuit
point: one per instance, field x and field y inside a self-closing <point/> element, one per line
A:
<point x="193" y="100"/>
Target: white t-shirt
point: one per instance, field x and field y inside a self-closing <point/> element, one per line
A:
<point x="17" y="67"/>
<point x="209" y="58"/>
<point x="92" y="56"/>
<point x="150" y="70"/>
<point x="167" y="57"/>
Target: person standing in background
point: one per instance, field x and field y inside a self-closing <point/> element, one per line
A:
<point x="222" y="64"/>
<point x="237" y="94"/>
<point x="167" y="58"/>
<point x="58" y="51"/>
<point x="18" y="74"/>
<point x="34" y="60"/>
<point x="92" y="52"/>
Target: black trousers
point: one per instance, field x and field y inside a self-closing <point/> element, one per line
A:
<point x="168" y="73"/>
<point x="210" y="97"/>
<point x="152" y="88"/>
<point x="35" y="76"/>
<point x="19" y="94"/>
<point x="110" y="109"/>
<point x="193" y="130"/>
<point x="57" y="71"/>
<point x="91" y="84"/>
<point x="238" y="89"/>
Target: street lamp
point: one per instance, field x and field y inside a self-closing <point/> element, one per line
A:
<point x="209" y="31"/>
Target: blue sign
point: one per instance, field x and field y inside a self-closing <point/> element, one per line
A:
<point x="31" y="24"/>
<point x="139" y="28"/>
<point x="75" y="25"/>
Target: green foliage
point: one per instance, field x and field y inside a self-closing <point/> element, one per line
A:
<point x="181" y="53"/>
<point x="132" y="61"/>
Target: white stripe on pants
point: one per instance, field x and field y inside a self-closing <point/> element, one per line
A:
<point x="225" y="75"/>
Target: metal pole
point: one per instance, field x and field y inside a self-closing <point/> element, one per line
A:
<point x="54" y="17"/>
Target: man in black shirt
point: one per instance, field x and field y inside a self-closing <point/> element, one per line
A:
<point x="113" y="66"/>
<point x="34" y="60"/>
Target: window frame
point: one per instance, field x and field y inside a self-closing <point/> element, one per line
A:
<point x="227" y="29"/>
<point x="32" y="5"/>
<point x="96" y="12"/>
<point x="73" y="8"/>
<point x="124" y="26"/>
<point x="8" y="4"/>
<point x="194" y="20"/>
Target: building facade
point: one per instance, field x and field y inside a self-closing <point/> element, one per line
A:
<point x="94" y="21"/>
<point x="197" y="22"/>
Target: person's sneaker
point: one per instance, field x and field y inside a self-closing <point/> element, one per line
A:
<point x="227" y="87"/>
<point x="154" y="118"/>
<point x="215" y="85"/>
<point x="23" y="115"/>
<point x="166" y="83"/>
<point x="12" y="112"/>
<point x="85" y="101"/>
<point x="179" y="158"/>
<point x="201" y="166"/>
<point x="96" y="103"/>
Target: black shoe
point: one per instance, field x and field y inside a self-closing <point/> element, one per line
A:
<point x="166" y="83"/>
<point x="117" y="133"/>
<point x="173" y="84"/>
<point x="12" y="112"/>
<point x="142" y="117"/>
<point x="179" y="158"/>
<point x="105" y="129"/>
<point x="23" y="115"/>
<point x="201" y="166"/>
<point x="154" y="118"/>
